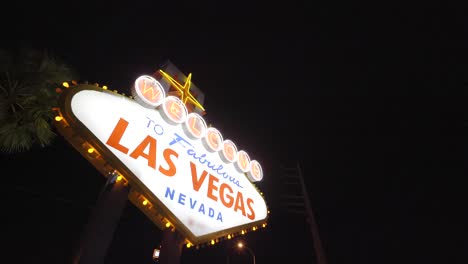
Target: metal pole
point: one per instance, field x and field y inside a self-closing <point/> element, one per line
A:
<point x="98" y="233"/>
<point x="313" y="225"/>
<point x="251" y="252"/>
<point x="171" y="247"/>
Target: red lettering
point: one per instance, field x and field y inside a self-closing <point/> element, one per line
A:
<point x="116" y="136"/>
<point x="249" y="205"/>
<point x="230" y="199"/>
<point x="174" y="109"/>
<point x="171" y="171"/>
<point x="212" y="187"/>
<point x="223" y="193"/>
<point x="151" y="155"/>
<point x="239" y="204"/>
<point x="194" y="127"/>
<point x="197" y="182"/>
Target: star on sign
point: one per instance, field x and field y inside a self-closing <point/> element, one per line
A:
<point x="183" y="89"/>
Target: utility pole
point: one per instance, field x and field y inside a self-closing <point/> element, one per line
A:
<point x="297" y="201"/>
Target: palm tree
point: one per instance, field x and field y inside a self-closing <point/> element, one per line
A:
<point x="28" y="79"/>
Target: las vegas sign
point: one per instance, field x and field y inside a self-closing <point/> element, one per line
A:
<point x="182" y="173"/>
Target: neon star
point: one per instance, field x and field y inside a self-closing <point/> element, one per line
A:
<point x="184" y="90"/>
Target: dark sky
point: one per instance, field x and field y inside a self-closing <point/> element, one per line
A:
<point x="362" y="97"/>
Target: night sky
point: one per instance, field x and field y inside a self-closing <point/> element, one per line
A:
<point x="362" y="97"/>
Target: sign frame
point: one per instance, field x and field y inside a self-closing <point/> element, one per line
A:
<point x="81" y="138"/>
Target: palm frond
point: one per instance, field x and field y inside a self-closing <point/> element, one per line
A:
<point x="15" y="138"/>
<point x="28" y="79"/>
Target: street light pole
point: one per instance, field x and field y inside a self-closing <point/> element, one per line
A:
<point x="251" y="252"/>
<point x="241" y="245"/>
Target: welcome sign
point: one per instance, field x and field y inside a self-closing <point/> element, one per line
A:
<point x="197" y="181"/>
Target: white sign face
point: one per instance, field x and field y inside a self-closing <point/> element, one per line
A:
<point x="203" y="191"/>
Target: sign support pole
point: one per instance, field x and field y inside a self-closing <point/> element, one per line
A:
<point x="171" y="247"/>
<point x="97" y="235"/>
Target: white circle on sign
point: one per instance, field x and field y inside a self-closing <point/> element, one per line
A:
<point x="243" y="161"/>
<point x="174" y="110"/>
<point x="213" y="139"/>
<point x="255" y="173"/>
<point x="195" y="126"/>
<point x="148" y="91"/>
<point x="229" y="151"/>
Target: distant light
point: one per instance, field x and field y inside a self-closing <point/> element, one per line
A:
<point x="119" y="178"/>
<point x="156" y="253"/>
<point x="58" y="118"/>
<point x="66" y="85"/>
<point x="240" y="245"/>
<point x="90" y="150"/>
<point x="212" y="242"/>
<point x="104" y="87"/>
<point x="229" y="236"/>
<point x="188" y="245"/>
<point x="168" y="224"/>
<point x="145" y="202"/>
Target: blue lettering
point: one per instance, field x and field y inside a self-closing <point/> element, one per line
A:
<point x="192" y="205"/>
<point x="168" y="192"/>
<point x="200" y="159"/>
<point x="202" y="209"/>
<point x="177" y="139"/>
<point x="210" y="212"/>
<point x="149" y="122"/>
<point x="158" y="129"/>
<point x="182" y="198"/>
<point x="220" y="167"/>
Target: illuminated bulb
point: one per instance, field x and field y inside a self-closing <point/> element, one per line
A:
<point x="90" y="150"/>
<point x="212" y="242"/>
<point x="268" y="211"/>
<point x="58" y="118"/>
<point x="104" y="87"/>
<point x="168" y="224"/>
<point x="229" y="236"/>
<point x="261" y="193"/>
<point x="119" y="178"/>
<point x="264" y="225"/>
<point x="243" y="232"/>
<point x="145" y="202"/>
<point x="188" y="245"/>
<point x="66" y="85"/>
<point x="254" y="228"/>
